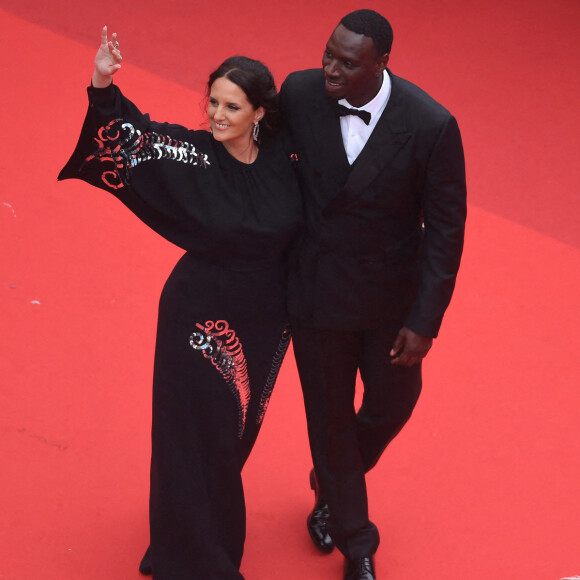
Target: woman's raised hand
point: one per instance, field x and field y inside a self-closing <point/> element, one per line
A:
<point x="107" y="61"/>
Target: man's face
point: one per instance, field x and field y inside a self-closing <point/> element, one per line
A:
<point x="352" y="68"/>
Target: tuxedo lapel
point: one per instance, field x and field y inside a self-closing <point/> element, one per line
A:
<point x="332" y="167"/>
<point x="326" y="129"/>
<point x="380" y="151"/>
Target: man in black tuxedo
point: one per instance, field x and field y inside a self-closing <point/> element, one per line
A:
<point x="382" y="170"/>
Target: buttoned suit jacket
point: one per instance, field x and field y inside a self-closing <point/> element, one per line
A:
<point x="383" y="238"/>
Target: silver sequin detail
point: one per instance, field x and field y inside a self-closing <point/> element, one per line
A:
<point x="219" y="343"/>
<point x="123" y="147"/>
<point x="273" y="374"/>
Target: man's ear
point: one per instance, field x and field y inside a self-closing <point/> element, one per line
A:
<point x="382" y="64"/>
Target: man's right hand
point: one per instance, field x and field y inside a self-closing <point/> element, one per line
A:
<point x="409" y="348"/>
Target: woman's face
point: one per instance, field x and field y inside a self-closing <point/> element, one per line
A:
<point x="231" y="115"/>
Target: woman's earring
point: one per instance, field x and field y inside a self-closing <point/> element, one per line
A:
<point x="256" y="131"/>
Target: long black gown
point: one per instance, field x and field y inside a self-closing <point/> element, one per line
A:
<point x="222" y="330"/>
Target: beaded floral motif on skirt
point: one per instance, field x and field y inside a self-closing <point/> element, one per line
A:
<point x="219" y="343"/>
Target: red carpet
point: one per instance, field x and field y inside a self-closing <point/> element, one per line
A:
<point x="483" y="481"/>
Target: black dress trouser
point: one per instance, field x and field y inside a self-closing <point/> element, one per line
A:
<point x="345" y="444"/>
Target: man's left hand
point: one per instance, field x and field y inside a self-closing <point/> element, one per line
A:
<point x="409" y="348"/>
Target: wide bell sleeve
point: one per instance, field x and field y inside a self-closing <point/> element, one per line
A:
<point x="156" y="169"/>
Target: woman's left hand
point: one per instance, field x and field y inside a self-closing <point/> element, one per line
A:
<point x="107" y="60"/>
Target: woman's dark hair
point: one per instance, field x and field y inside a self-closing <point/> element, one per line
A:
<point x="373" y="25"/>
<point x="257" y="82"/>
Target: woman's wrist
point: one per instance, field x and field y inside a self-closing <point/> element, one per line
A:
<point x="100" y="81"/>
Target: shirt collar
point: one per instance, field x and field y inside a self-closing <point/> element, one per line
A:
<point x="377" y="104"/>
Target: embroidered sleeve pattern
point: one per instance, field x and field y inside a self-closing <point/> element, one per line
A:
<point x="121" y="147"/>
<point x="219" y="343"/>
<point x="273" y="374"/>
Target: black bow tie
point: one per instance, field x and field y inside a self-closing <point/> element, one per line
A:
<point x="364" y="115"/>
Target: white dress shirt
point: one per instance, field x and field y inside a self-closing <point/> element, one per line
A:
<point x="355" y="133"/>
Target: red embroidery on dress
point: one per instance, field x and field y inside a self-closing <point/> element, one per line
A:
<point x="123" y="147"/>
<point x="219" y="343"/>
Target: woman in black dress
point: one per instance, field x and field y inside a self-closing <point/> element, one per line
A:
<point x="230" y="199"/>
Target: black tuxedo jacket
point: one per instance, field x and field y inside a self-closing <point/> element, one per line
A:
<point x="383" y="237"/>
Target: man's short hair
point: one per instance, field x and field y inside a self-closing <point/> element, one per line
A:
<point x="373" y="25"/>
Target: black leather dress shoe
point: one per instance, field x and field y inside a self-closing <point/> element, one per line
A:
<point x="145" y="566"/>
<point x="360" y="569"/>
<point x="317" y="522"/>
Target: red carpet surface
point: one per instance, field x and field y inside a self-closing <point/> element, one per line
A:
<point x="483" y="481"/>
